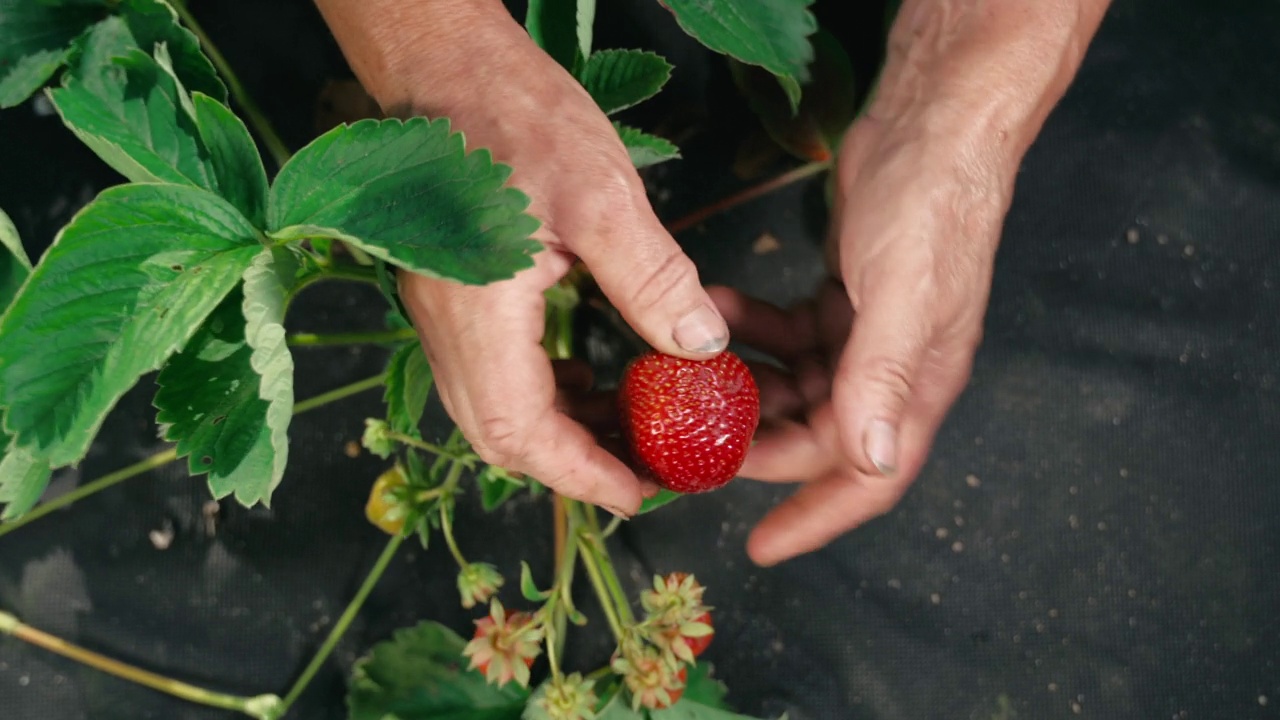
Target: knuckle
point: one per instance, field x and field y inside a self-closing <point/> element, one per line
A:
<point x="890" y="375"/>
<point x="500" y="440"/>
<point x="672" y="271"/>
<point x="588" y="216"/>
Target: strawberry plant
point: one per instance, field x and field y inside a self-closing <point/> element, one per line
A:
<point x="188" y="270"/>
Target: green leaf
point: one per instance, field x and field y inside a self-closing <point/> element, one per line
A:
<point x="408" y="384"/>
<point x="237" y="166"/>
<point x="267" y="284"/>
<point x="37" y="41"/>
<point x="23" y="478"/>
<point x="124" y="286"/>
<point x="407" y="192"/>
<point x="496" y="487"/>
<point x="618" y="79"/>
<point x="619" y="709"/>
<point x="14" y="264"/>
<point x="663" y="497"/>
<point x="129" y="111"/>
<point x="770" y="33"/>
<point x="208" y="404"/>
<point x="645" y="149"/>
<point x="829" y="105"/>
<point x="397" y="314"/>
<point x="563" y="29"/>
<point x="152" y="22"/>
<point x="420" y="675"/>
<point x="529" y="588"/>
<point x="703" y="689"/>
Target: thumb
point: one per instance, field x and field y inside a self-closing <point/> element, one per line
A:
<point x="655" y="286"/>
<point x="874" y="380"/>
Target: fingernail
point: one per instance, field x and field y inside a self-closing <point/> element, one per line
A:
<point x="616" y="512"/>
<point x="881" y="444"/>
<point x="702" y="331"/>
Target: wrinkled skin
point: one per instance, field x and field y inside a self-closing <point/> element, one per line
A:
<point x="873" y="361"/>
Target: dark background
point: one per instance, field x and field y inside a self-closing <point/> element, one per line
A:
<point x="1095" y="535"/>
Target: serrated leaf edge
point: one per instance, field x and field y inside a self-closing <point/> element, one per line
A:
<point x="265" y="300"/>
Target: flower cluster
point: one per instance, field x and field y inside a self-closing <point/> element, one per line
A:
<point x="654" y="660"/>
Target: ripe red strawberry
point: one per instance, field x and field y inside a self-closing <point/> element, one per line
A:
<point x="688" y="422"/>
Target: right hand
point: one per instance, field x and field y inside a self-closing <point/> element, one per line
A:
<point x="496" y="381"/>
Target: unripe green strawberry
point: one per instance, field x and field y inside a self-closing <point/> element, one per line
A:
<point x="689" y="423"/>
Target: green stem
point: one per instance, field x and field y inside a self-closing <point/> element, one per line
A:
<point x="597" y="545"/>
<point x="556" y="605"/>
<point x="259" y="707"/>
<point x="446" y="521"/>
<point x="158" y="460"/>
<point x="563" y="585"/>
<point x="347" y="271"/>
<point x="344" y="621"/>
<point x="602" y="592"/>
<point x="353" y="273"/>
<point x="275" y="146"/>
<point x="420" y="444"/>
<point x="167" y="456"/>
<point x="446" y="527"/>
<point x="775" y="183"/>
<point x="612" y="527"/>
<point x="377" y="337"/>
<point x="339" y="393"/>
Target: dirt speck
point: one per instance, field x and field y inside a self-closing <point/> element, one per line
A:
<point x="766" y="244"/>
<point x="162" y="537"/>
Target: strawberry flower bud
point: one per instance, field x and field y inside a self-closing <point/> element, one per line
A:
<point x="569" y="698"/>
<point x="674" y="600"/>
<point x="504" y="646"/>
<point x="477" y="582"/>
<point x="376" y="439"/>
<point x="653" y="682"/>
<point x="680" y="625"/>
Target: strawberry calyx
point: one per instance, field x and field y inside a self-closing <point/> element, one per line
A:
<point x="651" y="680"/>
<point x="505" y="645"/>
<point x="569" y="697"/>
<point x="477" y="583"/>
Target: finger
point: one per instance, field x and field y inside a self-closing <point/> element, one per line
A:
<point x="813" y="380"/>
<point x="845" y="499"/>
<point x="649" y="489"/>
<point x="786" y="453"/>
<point x="502" y="388"/>
<point x="641" y="268"/>
<point x="789" y="452"/>
<point x="780" y="397"/>
<point x="766" y="327"/>
<point x="819" y="512"/>
<point x="876" y="372"/>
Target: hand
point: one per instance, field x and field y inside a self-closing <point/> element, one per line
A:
<point x="474" y="64"/>
<point x="874" y="363"/>
<point x="871" y="364"/>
